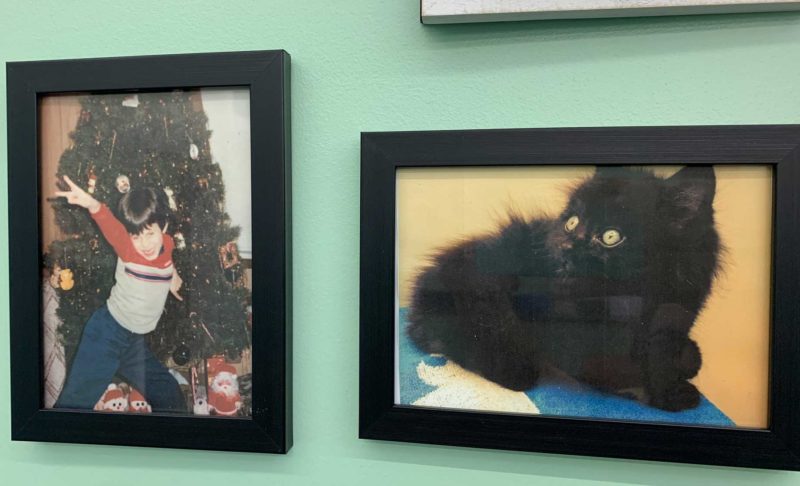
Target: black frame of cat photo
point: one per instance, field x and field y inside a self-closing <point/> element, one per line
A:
<point x="266" y="75"/>
<point x="383" y="153"/>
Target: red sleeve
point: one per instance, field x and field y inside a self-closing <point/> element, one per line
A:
<point x="169" y="245"/>
<point x="114" y="232"/>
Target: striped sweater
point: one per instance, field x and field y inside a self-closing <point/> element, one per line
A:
<point x="140" y="292"/>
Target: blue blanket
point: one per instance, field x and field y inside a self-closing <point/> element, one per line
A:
<point x="428" y="380"/>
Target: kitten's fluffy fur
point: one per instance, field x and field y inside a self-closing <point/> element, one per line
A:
<point x="546" y="294"/>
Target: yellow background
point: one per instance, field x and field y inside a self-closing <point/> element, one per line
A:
<point x="436" y="206"/>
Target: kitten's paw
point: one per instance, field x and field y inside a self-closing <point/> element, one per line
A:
<point x="682" y="396"/>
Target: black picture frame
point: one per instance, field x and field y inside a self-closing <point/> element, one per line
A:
<point x="267" y="75"/>
<point x="776" y="447"/>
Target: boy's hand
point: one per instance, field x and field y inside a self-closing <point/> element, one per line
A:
<point x="79" y="197"/>
<point x="175" y="285"/>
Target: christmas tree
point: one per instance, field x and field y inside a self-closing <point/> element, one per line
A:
<point x="160" y="140"/>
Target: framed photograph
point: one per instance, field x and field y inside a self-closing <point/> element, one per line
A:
<point x="621" y="292"/>
<point x="149" y="307"/>
<point x="463" y="11"/>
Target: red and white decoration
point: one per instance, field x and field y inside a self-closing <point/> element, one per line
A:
<point x="138" y="404"/>
<point x="113" y="400"/>
<point x="223" y="394"/>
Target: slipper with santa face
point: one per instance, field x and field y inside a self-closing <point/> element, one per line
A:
<point x="113" y="400"/>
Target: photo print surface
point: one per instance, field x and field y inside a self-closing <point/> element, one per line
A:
<point x="146" y="228"/>
<point x="622" y="293"/>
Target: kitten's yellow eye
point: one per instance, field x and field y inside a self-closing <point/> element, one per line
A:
<point x="572" y="223"/>
<point x="612" y="238"/>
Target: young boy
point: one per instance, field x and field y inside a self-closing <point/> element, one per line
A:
<point x="113" y="339"/>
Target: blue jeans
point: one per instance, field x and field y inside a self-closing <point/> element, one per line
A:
<point x="107" y="349"/>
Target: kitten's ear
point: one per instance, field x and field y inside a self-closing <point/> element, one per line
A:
<point x="690" y="191"/>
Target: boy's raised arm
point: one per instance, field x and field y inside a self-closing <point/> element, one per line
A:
<point x="112" y="229"/>
<point x="79" y="197"/>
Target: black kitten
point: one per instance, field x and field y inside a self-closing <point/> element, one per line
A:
<point x="606" y="293"/>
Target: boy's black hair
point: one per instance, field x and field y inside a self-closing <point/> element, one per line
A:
<point x="142" y="207"/>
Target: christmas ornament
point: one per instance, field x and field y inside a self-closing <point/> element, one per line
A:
<point x="223" y="395"/>
<point x="180" y="241"/>
<point x="230" y="262"/>
<point x="171" y="197"/>
<point x="181" y="355"/>
<point x="228" y="255"/>
<point x="131" y="101"/>
<point x="194" y="152"/>
<point x="92" y="183"/>
<point x="113" y="400"/>
<point x="202" y="182"/>
<point x="85" y="116"/>
<point x="94" y="243"/>
<point x="55" y="277"/>
<point x="123" y="184"/>
<point x="138" y="404"/>
<point x="65" y="278"/>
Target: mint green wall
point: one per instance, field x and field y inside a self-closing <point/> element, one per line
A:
<point x="370" y="65"/>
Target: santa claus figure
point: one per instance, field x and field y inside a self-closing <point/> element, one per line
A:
<point x="113" y="400"/>
<point x="223" y="395"/>
<point x="138" y="404"/>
